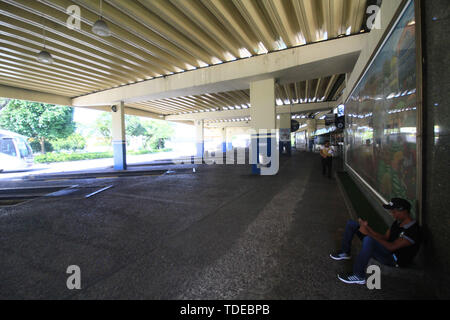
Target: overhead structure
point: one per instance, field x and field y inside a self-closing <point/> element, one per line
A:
<point x="308" y="91"/>
<point x="152" y="39"/>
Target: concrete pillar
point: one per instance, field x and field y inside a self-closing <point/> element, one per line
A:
<point x="264" y="154"/>
<point x="285" y="133"/>
<point x="118" y="135"/>
<point x="200" y="137"/>
<point x="312" y="126"/>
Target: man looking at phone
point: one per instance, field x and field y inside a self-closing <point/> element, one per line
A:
<point x="397" y="247"/>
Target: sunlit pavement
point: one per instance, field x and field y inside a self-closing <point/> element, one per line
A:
<point x="88" y="164"/>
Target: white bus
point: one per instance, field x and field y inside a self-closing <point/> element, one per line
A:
<point x="15" y="152"/>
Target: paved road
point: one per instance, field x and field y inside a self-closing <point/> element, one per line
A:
<point x="60" y="167"/>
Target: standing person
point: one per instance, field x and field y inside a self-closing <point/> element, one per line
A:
<point x="327" y="158"/>
<point x="397" y="247"/>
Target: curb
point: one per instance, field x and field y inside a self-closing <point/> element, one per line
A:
<point x="348" y="203"/>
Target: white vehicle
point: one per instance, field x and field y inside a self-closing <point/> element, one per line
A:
<point x="15" y="152"/>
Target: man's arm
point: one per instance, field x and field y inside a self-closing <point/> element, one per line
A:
<point x="365" y="225"/>
<point x="391" y="246"/>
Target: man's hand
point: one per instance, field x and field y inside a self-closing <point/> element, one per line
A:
<point x="363" y="222"/>
<point x="363" y="227"/>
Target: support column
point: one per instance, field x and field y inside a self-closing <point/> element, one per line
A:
<point x="200" y="138"/>
<point x="119" y="139"/>
<point x="224" y="139"/>
<point x="312" y="125"/>
<point x="264" y="154"/>
<point x="285" y="134"/>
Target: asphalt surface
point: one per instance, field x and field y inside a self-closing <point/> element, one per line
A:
<point x="216" y="233"/>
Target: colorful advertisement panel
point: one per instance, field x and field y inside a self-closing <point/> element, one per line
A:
<point x="381" y="116"/>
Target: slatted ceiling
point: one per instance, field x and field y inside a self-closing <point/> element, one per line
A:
<point x="229" y="17"/>
<point x="27" y="63"/>
<point x="66" y="43"/>
<point x="206" y="21"/>
<point x="209" y="99"/>
<point x="193" y="102"/>
<point x="329" y="86"/>
<point x="177" y="19"/>
<point x="157" y="27"/>
<point x="160" y="37"/>
<point x="339" y="91"/>
<point x="17" y="81"/>
<point x="291" y="93"/>
<point x="32" y="12"/>
<point x="33" y="48"/>
<point x="36" y="75"/>
<point x="136" y="30"/>
<point x="99" y="63"/>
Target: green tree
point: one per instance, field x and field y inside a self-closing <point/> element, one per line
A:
<point x="103" y="126"/>
<point x="158" y="132"/>
<point x="155" y="132"/>
<point x="73" y="143"/>
<point x="134" y="127"/>
<point x="37" y="120"/>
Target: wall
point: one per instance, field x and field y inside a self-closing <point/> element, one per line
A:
<point x="436" y="24"/>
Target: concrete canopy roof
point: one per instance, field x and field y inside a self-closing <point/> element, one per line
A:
<point x="157" y="38"/>
<point x="308" y="91"/>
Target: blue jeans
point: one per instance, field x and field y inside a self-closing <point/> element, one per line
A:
<point x="370" y="249"/>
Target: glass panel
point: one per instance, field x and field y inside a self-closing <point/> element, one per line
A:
<point x="23" y="148"/>
<point x="382" y="116"/>
<point x="7" y="147"/>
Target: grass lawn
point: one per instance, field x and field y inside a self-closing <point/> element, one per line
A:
<point x="67" y="157"/>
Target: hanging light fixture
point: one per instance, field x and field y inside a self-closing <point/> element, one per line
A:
<point x="44" y="56"/>
<point x="100" y="27"/>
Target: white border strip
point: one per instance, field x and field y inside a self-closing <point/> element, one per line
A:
<point x="380" y="197"/>
<point x="399" y="17"/>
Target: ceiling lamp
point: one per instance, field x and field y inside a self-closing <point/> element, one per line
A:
<point x="44" y="56"/>
<point x="100" y="27"/>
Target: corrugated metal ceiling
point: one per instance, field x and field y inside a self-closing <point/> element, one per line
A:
<point x="152" y="38"/>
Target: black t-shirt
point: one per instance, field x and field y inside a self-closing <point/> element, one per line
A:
<point x="410" y="232"/>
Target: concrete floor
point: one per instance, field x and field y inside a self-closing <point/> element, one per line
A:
<point x="218" y="233"/>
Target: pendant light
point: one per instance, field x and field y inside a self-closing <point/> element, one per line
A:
<point x="100" y="27"/>
<point x="44" y="56"/>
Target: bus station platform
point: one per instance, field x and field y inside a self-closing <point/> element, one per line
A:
<point x="215" y="232"/>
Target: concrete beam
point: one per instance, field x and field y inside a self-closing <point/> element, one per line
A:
<point x="142" y="113"/>
<point x="34" y="96"/>
<point x="128" y="111"/>
<point x="41" y="97"/>
<point x="229" y="114"/>
<point x="238" y="124"/>
<point x="307" y="107"/>
<point x="297" y="64"/>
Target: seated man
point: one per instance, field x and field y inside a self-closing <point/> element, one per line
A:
<point x="395" y="248"/>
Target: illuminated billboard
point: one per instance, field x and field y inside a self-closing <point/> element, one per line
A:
<point x="381" y="116"/>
